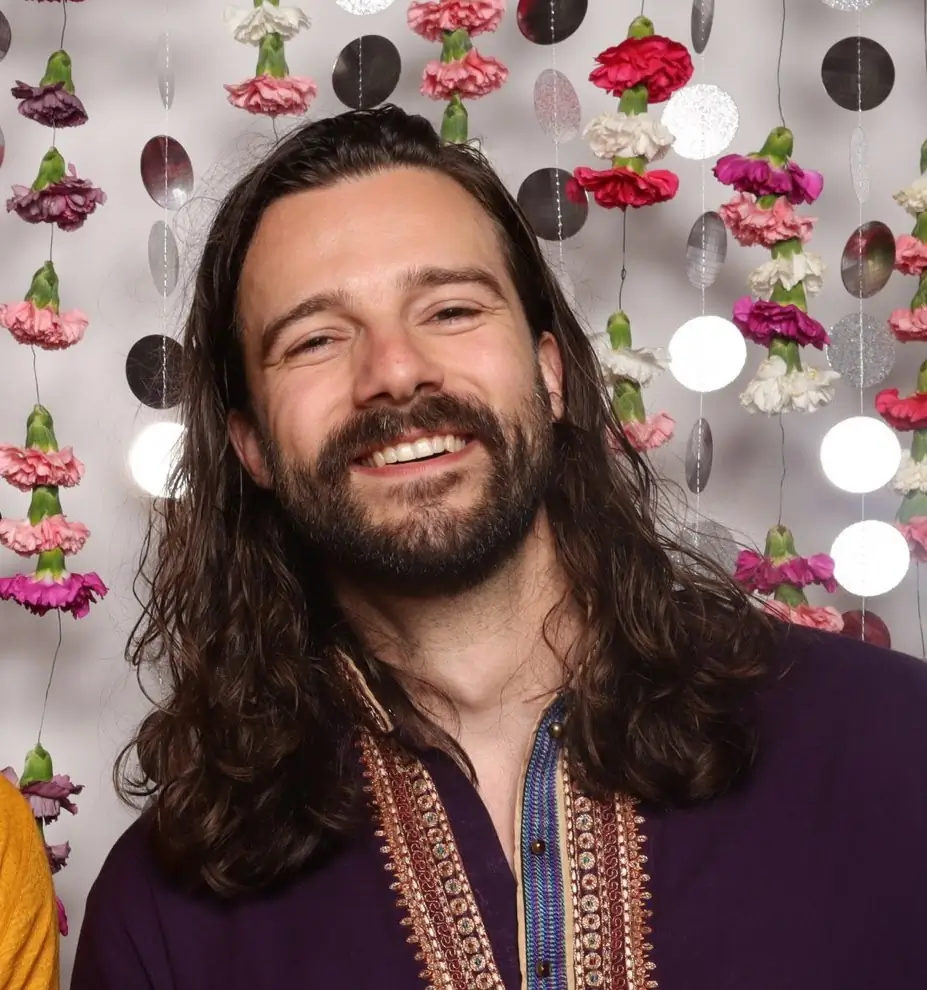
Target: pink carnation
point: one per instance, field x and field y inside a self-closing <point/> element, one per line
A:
<point x="760" y="320"/>
<point x="758" y="573"/>
<point x="53" y="532"/>
<point x="26" y="467"/>
<point x="272" y="96"/>
<point x="73" y="593"/>
<point x="652" y="433"/>
<point x="752" y="224"/>
<point x="910" y="255"/>
<point x="66" y="203"/>
<point x="47" y="798"/>
<point x="470" y="77"/>
<point x="761" y="178"/>
<point x="909" y="324"/>
<point x="42" y="326"/>
<point x="915" y="532"/>
<point x="814" y="616"/>
<point x="431" y="20"/>
<point x="51" y="105"/>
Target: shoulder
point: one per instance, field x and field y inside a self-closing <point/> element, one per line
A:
<point x="129" y="866"/>
<point x="20" y="840"/>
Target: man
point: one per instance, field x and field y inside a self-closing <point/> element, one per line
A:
<point x="28" y="913"/>
<point x="434" y="676"/>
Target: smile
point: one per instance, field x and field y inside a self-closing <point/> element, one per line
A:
<point x="421" y="449"/>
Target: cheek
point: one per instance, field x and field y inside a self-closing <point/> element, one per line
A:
<point x="301" y="415"/>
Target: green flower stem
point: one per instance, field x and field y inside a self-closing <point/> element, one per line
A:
<point x="38" y="766"/>
<point x="627" y="402"/>
<point x="454" y="126"/>
<point x="51" y="564"/>
<point x="920" y="297"/>
<point x="920" y="228"/>
<point x="790" y="297"/>
<point x="641" y="27"/>
<point x="786" y="349"/>
<point x="633" y="101"/>
<point x="786" y="249"/>
<point x="922" y="378"/>
<point x="43" y="292"/>
<point x="778" y="147"/>
<point x="619" y="330"/>
<point x="58" y="70"/>
<point x="919" y="446"/>
<point x="913" y="504"/>
<point x="638" y="165"/>
<point x="45" y="503"/>
<point x="924" y="158"/>
<point x="456" y="45"/>
<point x="789" y="595"/>
<point x="780" y="545"/>
<point x="40" y="430"/>
<point x="272" y="57"/>
<point x="51" y="170"/>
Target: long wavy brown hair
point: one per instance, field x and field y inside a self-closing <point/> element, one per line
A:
<point x="248" y="764"/>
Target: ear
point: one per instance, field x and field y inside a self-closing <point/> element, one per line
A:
<point x="551" y="364"/>
<point x="246" y="441"/>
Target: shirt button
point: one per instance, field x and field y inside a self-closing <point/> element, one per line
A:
<point x="542" y="969"/>
<point x="555" y="729"/>
<point x="538" y="847"/>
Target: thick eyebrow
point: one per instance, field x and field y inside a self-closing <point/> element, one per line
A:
<point x="416" y="278"/>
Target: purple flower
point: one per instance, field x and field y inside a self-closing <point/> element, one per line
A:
<point x="759" y="177"/>
<point x="760" y="320"/>
<point x="73" y="593"/>
<point x="66" y="203"/>
<point x="48" y="797"/>
<point x="51" y="105"/>
<point x="58" y="855"/>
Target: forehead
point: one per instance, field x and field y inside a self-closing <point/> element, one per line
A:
<point x="357" y="234"/>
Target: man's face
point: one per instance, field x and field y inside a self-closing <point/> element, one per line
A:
<point x="404" y="412"/>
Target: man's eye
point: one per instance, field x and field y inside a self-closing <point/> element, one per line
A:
<point x="311" y="344"/>
<point x="450" y="313"/>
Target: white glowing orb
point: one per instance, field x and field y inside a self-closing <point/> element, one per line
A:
<point x="152" y="455"/>
<point x="707" y="353"/>
<point x="703" y="119"/>
<point x="860" y="454"/>
<point x="870" y="558"/>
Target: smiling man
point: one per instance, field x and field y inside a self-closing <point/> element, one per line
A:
<point x="444" y="707"/>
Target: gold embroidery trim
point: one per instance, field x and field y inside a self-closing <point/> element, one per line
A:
<point x="608" y="894"/>
<point x="429" y="877"/>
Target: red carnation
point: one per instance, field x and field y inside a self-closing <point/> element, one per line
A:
<point x="902" y="414"/>
<point x="623" y="187"/>
<point x="660" y="64"/>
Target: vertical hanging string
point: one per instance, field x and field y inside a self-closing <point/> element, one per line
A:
<point x="702" y="290"/>
<point x="51" y="677"/>
<point x="779" y="66"/>
<point x="784" y="471"/>
<point x="624" y="256"/>
<point x="558" y="184"/>
<point x="168" y="99"/>
<point x="360" y="73"/>
<point x="859" y="312"/>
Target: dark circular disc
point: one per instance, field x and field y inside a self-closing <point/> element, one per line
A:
<point x="553" y="214"/>
<point x="6" y="36"/>
<point x="545" y="22"/>
<point x="858" y="73"/>
<point x="366" y="72"/>
<point x="153" y="370"/>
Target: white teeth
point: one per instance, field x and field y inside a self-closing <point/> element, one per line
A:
<point x="419" y="449"/>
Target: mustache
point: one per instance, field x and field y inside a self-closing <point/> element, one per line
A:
<point x="372" y="428"/>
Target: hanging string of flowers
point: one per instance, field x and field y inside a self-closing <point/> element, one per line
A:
<point x="60" y="198"/>
<point x="461" y="73"/>
<point x="272" y="90"/>
<point x="48" y="795"/>
<point x="643" y="69"/>
<point x="769" y="185"/>
<point x="909" y="414"/>
<point x="780" y="576"/>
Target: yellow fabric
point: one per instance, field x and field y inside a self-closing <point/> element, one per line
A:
<point x="28" y="915"/>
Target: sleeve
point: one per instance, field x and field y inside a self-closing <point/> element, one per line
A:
<point x="28" y="910"/>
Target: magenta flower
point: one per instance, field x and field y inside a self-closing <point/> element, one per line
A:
<point x="51" y="105"/>
<point x="761" y="178"/>
<point x="27" y="467"/>
<point x="58" y="855"/>
<point x="66" y="203"/>
<point x="760" y="320"/>
<point x="758" y="573"/>
<point x="48" y="797"/>
<point x="41" y="593"/>
<point x="62" y="914"/>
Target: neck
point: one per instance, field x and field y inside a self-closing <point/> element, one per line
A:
<point x="478" y="662"/>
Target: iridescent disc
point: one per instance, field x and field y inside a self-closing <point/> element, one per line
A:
<point x="706" y="249"/>
<point x="364" y="7"/>
<point x="556" y="106"/>
<point x="167" y="172"/>
<point x="6" y="36"/>
<point x="553" y="213"/>
<point x="701" y="20"/>
<point x="709" y="539"/>
<point x="163" y="258"/>
<point x="859" y="164"/>
<point x="703" y="119"/>
<point x="700" y="450"/>
<point x="862" y="349"/>
<point x="165" y="71"/>
<point x="858" y="73"/>
<point x="849" y="4"/>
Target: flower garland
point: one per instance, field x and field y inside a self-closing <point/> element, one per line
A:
<point x="781" y="573"/>
<point x="461" y="72"/>
<point x="627" y="370"/>
<point x="645" y="68"/>
<point x="910" y="324"/>
<point x="272" y="91"/>
<point x="48" y="794"/>
<point x="769" y="185"/>
<point x="60" y="198"/>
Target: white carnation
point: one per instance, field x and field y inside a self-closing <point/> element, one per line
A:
<point x="775" y="390"/>
<point x="788" y="272"/>
<point x="914" y="198"/>
<point x="251" y="26"/>
<point x="618" y="135"/>
<point x="639" y="364"/>
<point x="911" y="475"/>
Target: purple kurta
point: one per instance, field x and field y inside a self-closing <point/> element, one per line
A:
<point x="813" y="876"/>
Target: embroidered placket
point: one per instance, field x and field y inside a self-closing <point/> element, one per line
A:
<point x="540" y="854"/>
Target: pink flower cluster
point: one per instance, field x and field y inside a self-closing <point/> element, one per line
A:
<point x="271" y="96"/>
<point x="758" y="573"/>
<point x="910" y="255"/>
<point x="66" y="203"/>
<point x="750" y="223"/>
<point x="27" y="539"/>
<point x="909" y="324"/>
<point x="821" y="617"/>
<point x="749" y="174"/>
<point x="51" y="105"/>
<point x="42" y="326"/>
<point x="654" y="432"/>
<point x="73" y="593"/>
<point x="761" y="320"/>
<point x="431" y="20"/>
<point x="915" y="532"/>
<point x="26" y="468"/>
<point x="470" y="77"/>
